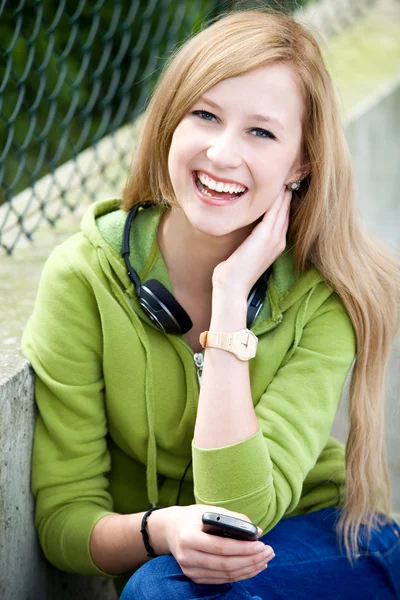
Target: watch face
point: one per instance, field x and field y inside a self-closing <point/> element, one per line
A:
<point x="246" y="345"/>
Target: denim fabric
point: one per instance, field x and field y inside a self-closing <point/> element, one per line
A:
<point x="308" y="565"/>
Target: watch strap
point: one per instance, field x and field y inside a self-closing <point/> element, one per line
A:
<point x="232" y="342"/>
<point x="216" y="339"/>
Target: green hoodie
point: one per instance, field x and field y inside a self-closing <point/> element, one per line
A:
<point x="117" y="397"/>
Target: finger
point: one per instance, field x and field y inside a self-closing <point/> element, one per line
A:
<point x="226" y="564"/>
<point x="204" y="542"/>
<point x="282" y="217"/>
<point x="284" y="204"/>
<point x="272" y="214"/>
<point x="286" y="226"/>
<point x="277" y="203"/>
<point x="205" y="576"/>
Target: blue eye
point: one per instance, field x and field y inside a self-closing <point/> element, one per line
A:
<point x="203" y="112"/>
<point x="207" y="116"/>
<point x="268" y="134"/>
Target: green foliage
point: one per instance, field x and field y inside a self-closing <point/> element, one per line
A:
<point x="74" y="71"/>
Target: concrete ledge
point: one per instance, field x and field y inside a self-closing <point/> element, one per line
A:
<point x="25" y="573"/>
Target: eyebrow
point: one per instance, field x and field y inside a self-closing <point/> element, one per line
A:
<point x="264" y="119"/>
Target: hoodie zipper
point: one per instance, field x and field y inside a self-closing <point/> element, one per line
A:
<point x="199" y="361"/>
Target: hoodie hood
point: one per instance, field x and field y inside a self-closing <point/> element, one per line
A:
<point x="103" y="225"/>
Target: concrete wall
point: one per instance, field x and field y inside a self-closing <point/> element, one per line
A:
<point x="25" y="574"/>
<point x="374" y="143"/>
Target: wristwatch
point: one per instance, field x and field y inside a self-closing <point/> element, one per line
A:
<point x="242" y="343"/>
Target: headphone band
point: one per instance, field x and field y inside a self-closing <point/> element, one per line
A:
<point x="162" y="307"/>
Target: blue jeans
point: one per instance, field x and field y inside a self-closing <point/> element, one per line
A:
<point x="308" y="565"/>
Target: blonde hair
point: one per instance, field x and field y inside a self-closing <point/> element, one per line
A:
<point x="324" y="228"/>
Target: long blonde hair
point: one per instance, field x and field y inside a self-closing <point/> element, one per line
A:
<point x="325" y="227"/>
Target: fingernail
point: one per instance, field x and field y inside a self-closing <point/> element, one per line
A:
<point x="259" y="548"/>
<point x="269" y="557"/>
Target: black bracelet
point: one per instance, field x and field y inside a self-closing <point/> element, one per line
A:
<point x="145" y="535"/>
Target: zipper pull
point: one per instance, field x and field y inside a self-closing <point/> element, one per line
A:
<point x="198" y="359"/>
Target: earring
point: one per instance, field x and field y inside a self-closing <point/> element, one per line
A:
<point x="295" y="185"/>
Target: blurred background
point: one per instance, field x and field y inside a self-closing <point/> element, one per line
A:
<point x="75" y="77"/>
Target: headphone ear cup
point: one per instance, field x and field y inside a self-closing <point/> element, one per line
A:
<point x="163" y="309"/>
<point x="256" y="298"/>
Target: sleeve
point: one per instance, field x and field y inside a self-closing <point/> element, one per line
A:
<point x="63" y="341"/>
<point x="296" y="412"/>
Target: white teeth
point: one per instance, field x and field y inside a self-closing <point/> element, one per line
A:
<point x="219" y="186"/>
<point x="210" y="183"/>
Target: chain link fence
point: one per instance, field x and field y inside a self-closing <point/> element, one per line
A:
<point x="72" y="73"/>
<point x="74" y="77"/>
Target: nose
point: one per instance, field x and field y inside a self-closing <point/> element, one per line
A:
<point x="223" y="152"/>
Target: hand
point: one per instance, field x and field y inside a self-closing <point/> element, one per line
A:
<point x="259" y="250"/>
<point x="206" y="558"/>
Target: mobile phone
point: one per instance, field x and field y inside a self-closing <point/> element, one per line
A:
<point x="224" y="526"/>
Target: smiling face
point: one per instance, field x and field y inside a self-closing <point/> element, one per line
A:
<point x="224" y="136"/>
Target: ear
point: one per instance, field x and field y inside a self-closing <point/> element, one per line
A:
<point x="304" y="170"/>
<point x="300" y="173"/>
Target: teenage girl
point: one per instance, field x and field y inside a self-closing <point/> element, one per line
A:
<point x="191" y="344"/>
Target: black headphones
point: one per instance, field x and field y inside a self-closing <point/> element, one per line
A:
<point x="161" y="306"/>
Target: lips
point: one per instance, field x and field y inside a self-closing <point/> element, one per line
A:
<point x="207" y="198"/>
<point x="217" y="179"/>
<point x="219" y="195"/>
